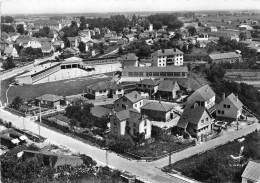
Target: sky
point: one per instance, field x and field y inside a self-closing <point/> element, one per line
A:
<point x="94" y="6"/>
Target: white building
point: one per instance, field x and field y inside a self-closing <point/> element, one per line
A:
<point x="165" y="57"/>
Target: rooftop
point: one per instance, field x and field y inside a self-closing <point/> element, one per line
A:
<point x="252" y="171"/>
<point x="49" y="97"/>
<point x="167" y="52"/>
<point x="157" y="106"/>
<point x="168" y="85"/>
<point x="218" y="56"/>
<point x="155" y="69"/>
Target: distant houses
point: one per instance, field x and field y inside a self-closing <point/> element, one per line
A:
<point x="230" y="57"/>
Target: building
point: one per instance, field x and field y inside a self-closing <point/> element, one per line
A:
<point x="251" y="173"/>
<point x="245" y="28"/>
<point x="158" y="111"/>
<point x="167" y="89"/>
<point x="104" y="90"/>
<point x="148" y="85"/>
<point x="73" y="41"/>
<point x="229" y="57"/>
<point x="130" y="122"/>
<point x="213" y="29"/>
<point x="100" y="112"/>
<point x="154" y="72"/>
<point x="130" y="100"/>
<point x="203" y="96"/>
<point x="166" y="57"/>
<point x="47" y="48"/>
<point x="49" y="100"/>
<point x="230" y="108"/>
<point x="129" y="60"/>
<point x="150" y="27"/>
<point x="11" y="52"/>
<point x="101" y="61"/>
<point x="196" y="120"/>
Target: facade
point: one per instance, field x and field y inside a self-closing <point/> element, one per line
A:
<point x="11" y="51"/>
<point x="148" y="85"/>
<point x="166" y="57"/>
<point x="130" y="100"/>
<point x="104" y="89"/>
<point x="101" y="61"/>
<point x="213" y="29"/>
<point x="154" y="72"/>
<point x="129" y="60"/>
<point x="130" y="122"/>
<point x="230" y="57"/>
<point x="158" y="111"/>
<point x="47" y="48"/>
<point x="203" y="96"/>
<point x="229" y="108"/>
<point x="167" y="89"/>
<point x="49" y="100"/>
<point x="251" y="173"/>
<point x="73" y="41"/>
<point x="196" y="120"/>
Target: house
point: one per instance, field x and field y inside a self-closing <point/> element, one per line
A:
<point x="85" y="35"/>
<point x="148" y="85"/>
<point x="213" y="29"/>
<point x="251" y="174"/>
<point x="130" y="100"/>
<point x="5" y="43"/>
<point x="248" y="36"/>
<point x="196" y="120"/>
<point x="130" y="122"/>
<point x="129" y="60"/>
<point x="229" y="57"/>
<point x="47" y="48"/>
<point x="11" y="51"/>
<point x="158" y="111"/>
<point x="73" y="41"/>
<point x="49" y="100"/>
<point x="58" y="43"/>
<point x="166" y="57"/>
<point x="108" y="36"/>
<point x="148" y="40"/>
<point x="230" y="108"/>
<point x="203" y="96"/>
<point x="130" y="37"/>
<point x="245" y="28"/>
<point x="23" y="40"/>
<point x="202" y="37"/>
<point x="99" y="111"/>
<point x="33" y="44"/>
<point x="115" y="39"/>
<point x="104" y="89"/>
<point x="167" y="89"/>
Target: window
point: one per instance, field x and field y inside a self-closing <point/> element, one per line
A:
<point x="117" y="105"/>
<point x="145" y="132"/>
<point x="183" y="74"/>
<point x="225" y="106"/>
<point x="195" y="130"/>
<point x="145" y="123"/>
<point x="228" y="106"/>
<point x="119" y="90"/>
<point x="177" y="74"/>
<point x="130" y="74"/>
<point x="140" y="85"/>
<point x="127" y="123"/>
<point x="100" y="91"/>
<point x="219" y="111"/>
<point x="156" y="74"/>
<point x="222" y="112"/>
<point x="124" y="99"/>
<point x="115" y="123"/>
<point x="135" y="105"/>
<point x="104" y="91"/>
<point x="141" y="74"/>
<point x="207" y="119"/>
<point x="140" y="103"/>
<point x="202" y="121"/>
<point x="135" y="74"/>
<point x="134" y="125"/>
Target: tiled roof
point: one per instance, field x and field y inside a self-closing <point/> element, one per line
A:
<point x="206" y="92"/>
<point x="72" y="39"/>
<point x="133" y="96"/>
<point x="103" y="85"/>
<point x="99" y="111"/>
<point x="155" y="69"/>
<point x="157" y="106"/>
<point x="129" y="56"/>
<point x="191" y="114"/>
<point x="252" y="171"/>
<point x="46" y="46"/>
<point x="123" y="115"/>
<point x="234" y="100"/>
<point x="218" y="56"/>
<point x="169" y="86"/>
<point x="49" y="97"/>
<point x="166" y="52"/>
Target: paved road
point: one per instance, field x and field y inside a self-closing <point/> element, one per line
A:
<point x="147" y="170"/>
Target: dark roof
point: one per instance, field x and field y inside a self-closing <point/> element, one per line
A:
<point x="191" y="114"/>
<point x="103" y="85"/>
<point x="157" y="106"/>
<point x="123" y="115"/>
<point x="155" y="69"/>
<point x="49" y="97"/>
<point x="252" y="171"/>
<point x="134" y="96"/>
<point x="205" y="92"/>
<point x="99" y="111"/>
<point x="129" y="56"/>
<point x="166" y="52"/>
<point x="169" y="86"/>
<point x="218" y="56"/>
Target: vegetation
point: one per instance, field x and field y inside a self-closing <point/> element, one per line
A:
<point x="216" y="165"/>
<point x="8" y="64"/>
<point x="7" y="28"/>
<point x="20" y="28"/>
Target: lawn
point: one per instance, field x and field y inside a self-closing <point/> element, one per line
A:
<point x="62" y="88"/>
<point x="159" y="148"/>
<point x="222" y="168"/>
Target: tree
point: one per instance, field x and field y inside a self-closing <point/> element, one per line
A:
<point x="73" y="123"/>
<point x="192" y="30"/>
<point x="242" y="36"/>
<point x="46" y="30"/>
<point x="7" y="28"/>
<point x="144" y="51"/>
<point x="83" y="23"/>
<point x="120" y="51"/>
<point x="177" y="36"/>
<point x="7" y="19"/>
<point x="20" y="28"/>
<point x="17" y="103"/>
<point x="82" y="46"/>
<point x="8" y="64"/>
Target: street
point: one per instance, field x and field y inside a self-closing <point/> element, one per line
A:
<point x="149" y="171"/>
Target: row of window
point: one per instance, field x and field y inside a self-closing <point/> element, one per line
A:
<point x="169" y="56"/>
<point x="204" y="120"/>
<point x="202" y="129"/>
<point x="221" y="112"/>
<point x="170" y="74"/>
<point x="226" y="106"/>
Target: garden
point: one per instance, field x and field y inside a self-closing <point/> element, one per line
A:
<point x="217" y="165"/>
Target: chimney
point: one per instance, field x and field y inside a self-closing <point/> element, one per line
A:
<point x="195" y="105"/>
<point x="236" y="98"/>
<point x="223" y="96"/>
<point x="162" y="50"/>
<point x="160" y="98"/>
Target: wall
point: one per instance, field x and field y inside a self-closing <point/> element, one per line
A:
<point x="27" y="80"/>
<point x="118" y="104"/>
<point x="228" y="112"/>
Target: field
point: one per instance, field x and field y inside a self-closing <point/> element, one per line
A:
<point x="62" y="88"/>
<point x="190" y="166"/>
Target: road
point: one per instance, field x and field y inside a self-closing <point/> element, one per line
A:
<point x="149" y="171"/>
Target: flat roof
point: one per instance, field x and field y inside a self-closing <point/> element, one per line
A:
<point x="155" y="69"/>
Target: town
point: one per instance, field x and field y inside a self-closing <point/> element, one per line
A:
<point x="130" y="97"/>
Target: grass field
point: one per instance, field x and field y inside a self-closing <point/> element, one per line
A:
<point x="251" y="145"/>
<point x="62" y="88"/>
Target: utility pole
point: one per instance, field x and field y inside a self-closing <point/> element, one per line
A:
<point x="40" y="111"/>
